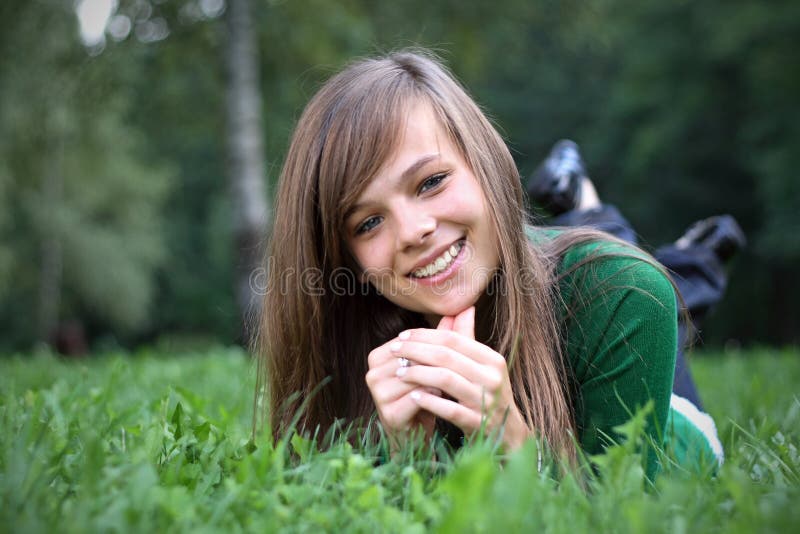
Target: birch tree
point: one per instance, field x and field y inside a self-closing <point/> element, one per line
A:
<point x="246" y="166"/>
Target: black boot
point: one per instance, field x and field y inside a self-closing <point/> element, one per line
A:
<point x="721" y="234"/>
<point x="556" y="184"/>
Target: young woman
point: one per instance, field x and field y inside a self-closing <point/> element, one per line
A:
<point x="403" y="281"/>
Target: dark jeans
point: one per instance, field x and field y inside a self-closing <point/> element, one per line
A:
<point x="697" y="272"/>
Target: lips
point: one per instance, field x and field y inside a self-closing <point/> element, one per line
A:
<point x="438" y="260"/>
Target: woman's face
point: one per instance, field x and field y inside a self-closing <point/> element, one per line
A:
<point x="421" y="231"/>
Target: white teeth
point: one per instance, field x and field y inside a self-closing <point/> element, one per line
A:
<point x="440" y="263"/>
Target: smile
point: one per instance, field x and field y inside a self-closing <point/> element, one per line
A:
<point x="441" y="263"/>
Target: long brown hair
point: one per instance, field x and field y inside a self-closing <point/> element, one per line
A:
<point x="319" y="322"/>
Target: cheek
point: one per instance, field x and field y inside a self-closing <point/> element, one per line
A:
<point x="375" y="259"/>
<point x="467" y="201"/>
<point x="462" y="208"/>
<point x="372" y="254"/>
<point x="470" y="211"/>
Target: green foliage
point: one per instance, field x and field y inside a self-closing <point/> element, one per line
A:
<point x="150" y="442"/>
<point x="77" y="188"/>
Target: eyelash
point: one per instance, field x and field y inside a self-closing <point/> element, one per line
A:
<point x="432" y="182"/>
<point x="362" y="228"/>
<point x="438" y="178"/>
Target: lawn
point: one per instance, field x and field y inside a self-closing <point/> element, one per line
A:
<point x="152" y="442"/>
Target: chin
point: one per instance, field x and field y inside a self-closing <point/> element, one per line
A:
<point x="452" y="306"/>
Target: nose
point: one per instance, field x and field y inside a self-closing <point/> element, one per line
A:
<point x="414" y="226"/>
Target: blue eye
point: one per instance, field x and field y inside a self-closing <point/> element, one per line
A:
<point x="432" y="182"/>
<point x="368" y="225"/>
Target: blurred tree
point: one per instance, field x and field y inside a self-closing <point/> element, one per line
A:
<point x="177" y="88"/>
<point x="6" y="252"/>
<point x="85" y="208"/>
<point x="246" y="169"/>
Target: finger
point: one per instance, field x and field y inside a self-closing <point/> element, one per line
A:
<point x="399" y="414"/>
<point x="446" y="380"/>
<point x="464" y="323"/>
<point x="389" y="367"/>
<point x="384" y="384"/>
<point x="466" y="419"/>
<point x="446" y="323"/>
<point x="460" y="343"/>
<point x="378" y="376"/>
<point x="385" y="390"/>
<point x="443" y="356"/>
<point x="382" y="354"/>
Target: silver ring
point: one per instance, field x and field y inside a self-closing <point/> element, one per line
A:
<point x="403" y="362"/>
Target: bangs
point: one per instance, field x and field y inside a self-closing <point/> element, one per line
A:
<point x="380" y="133"/>
<point x="364" y="128"/>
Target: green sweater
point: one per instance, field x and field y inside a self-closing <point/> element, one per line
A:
<point x="619" y="322"/>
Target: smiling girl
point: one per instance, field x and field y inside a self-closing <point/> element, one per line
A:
<point x="431" y="302"/>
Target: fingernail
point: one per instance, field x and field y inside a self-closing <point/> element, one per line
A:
<point x="401" y="371"/>
<point x="405" y="334"/>
<point x="396" y="346"/>
<point x="415" y="395"/>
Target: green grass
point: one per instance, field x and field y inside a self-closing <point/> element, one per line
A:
<point x="149" y="442"/>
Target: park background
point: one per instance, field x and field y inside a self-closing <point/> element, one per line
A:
<point x="122" y="159"/>
<point x="140" y="143"/>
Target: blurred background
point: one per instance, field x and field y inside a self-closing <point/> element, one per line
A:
<point x="140" y="141"/>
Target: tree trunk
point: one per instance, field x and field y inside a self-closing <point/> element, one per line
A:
<point x="51" y="252"/>
<point x="246" y="166"/>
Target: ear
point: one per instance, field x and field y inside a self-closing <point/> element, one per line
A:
<point x="464" y="322"/>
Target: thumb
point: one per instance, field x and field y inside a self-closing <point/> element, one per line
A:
<point x="446" y="323"/>
<point x="464" y="323"/>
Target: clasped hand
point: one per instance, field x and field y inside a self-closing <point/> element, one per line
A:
<point x="447" y="360"/>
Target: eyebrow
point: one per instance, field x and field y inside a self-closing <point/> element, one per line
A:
<point x="410" y="171"/>
<point x="417" y="165"/>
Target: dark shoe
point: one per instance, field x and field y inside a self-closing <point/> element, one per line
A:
<point x="721" y="234"/>
<point x="556" y="184"/>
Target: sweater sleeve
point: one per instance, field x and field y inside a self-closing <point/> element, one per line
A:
<point x="620" y="325"/>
